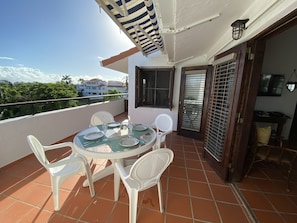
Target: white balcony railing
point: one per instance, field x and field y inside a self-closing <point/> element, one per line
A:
<point x="48" y="127"/>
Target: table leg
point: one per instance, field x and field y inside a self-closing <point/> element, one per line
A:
<point x="117" y="180"/>
<point x="101" y="174"/>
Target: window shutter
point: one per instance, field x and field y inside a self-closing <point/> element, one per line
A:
<point x="138" y="88"/>
<point x="219" y="107"/>
<point x="171" y="83"/>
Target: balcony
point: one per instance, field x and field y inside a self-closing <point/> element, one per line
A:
<point x="193" y="192"/>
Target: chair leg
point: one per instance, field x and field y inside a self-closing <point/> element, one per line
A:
<point x="133" y="199"/>
<point x="90" y="180"/>
<point x="160" y="196"/>
<point x="288" y="179"/>
<point x="250" y="167"/>
<point x="56" y="193"/>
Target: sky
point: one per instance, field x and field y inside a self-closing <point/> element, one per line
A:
<point x="45" y="40"/>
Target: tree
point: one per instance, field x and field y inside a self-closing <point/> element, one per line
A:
<point x="4" y="84"/>
<point x="21" y="92"/>
<point x="81" y="80"/>
<point x="66" y="79"/>
<point x="125" y="82"/>
<point x="112" y="97"/>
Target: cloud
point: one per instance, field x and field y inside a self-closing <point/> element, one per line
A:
<point x="100" y="58"/>
<point x="6" y="58"/>
<point x="26" y="74"/>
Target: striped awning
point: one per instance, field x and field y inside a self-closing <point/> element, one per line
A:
<point x="137" y="18"/>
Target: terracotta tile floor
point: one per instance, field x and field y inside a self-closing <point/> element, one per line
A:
<point x="193" y="193"/>
<point x="265" y="193"/>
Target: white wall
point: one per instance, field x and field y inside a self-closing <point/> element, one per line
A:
<point x="260" y="22"/>
<point x="48" y="127"/>
<point x="261" y="14"/>
<point x="147" y="115"/>
<point x="280" y="58"/>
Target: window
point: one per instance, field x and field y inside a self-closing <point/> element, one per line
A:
<point x="154" y="87"/>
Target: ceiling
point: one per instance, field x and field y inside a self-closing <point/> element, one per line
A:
<point x="197" y="24"/>
<point x="186" y="29"/>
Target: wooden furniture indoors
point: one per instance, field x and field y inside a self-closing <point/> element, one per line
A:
<point x="278" y="154"/>
<point x="272" y="117"/>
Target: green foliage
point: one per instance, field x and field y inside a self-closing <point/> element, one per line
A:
<point x="22" y="92"/>
<point x="113" y="97"/>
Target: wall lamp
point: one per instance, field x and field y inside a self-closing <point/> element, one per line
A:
<point x="237" y="28"/>
<point x="292" y="82"/>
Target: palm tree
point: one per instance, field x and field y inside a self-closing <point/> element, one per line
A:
<point x="125" y="82"/>
<point x="66" y="79"/>
<point x="81" y="80"/>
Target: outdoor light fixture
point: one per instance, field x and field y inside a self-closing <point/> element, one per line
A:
<point x="238" y="27"/>
<point x="292" y="82"/>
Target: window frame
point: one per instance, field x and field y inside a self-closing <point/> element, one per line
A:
<point x="139" y="72"/>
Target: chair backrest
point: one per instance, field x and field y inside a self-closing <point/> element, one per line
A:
<point x="164" y="123"/>
<point x="37" y="149"/>
<point x="101" y="117"/>
<point x="147" y="170"/>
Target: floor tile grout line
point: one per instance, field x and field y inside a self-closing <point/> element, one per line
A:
<point x="275" y="209"/>
<point x="188" y="185"/>
<point x="211" y="192"/>
<point x="245" y="203"/>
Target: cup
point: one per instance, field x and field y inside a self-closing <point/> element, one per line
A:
<point x="130" y="129"/>
<point x="104" y="128"/>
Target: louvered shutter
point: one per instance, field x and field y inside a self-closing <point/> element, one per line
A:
<point x="219" y="107"/>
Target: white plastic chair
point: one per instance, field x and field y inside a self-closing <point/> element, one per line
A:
<point x="101" y="117"/>
<point x="164" y="125"/>
<point x="143" y="174"/>
<point x="62" y="169"/>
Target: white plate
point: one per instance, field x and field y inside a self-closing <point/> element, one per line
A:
<point x="139" y="127"/>
<point x="113" y="124"/>
<point x="128" y="142"/>
<point x="93" y="135"/>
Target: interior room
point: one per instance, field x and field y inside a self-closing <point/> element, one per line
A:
<point x="280" y="59"/>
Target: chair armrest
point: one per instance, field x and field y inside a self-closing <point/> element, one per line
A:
<point x="270" y="146"/>
<point x="291" y="150"/>
<point x="121" y="170"/>
<point x="164" y="133"/>
<point x="289" y="156"/>
<point x="66" y="161"/>
<point x="168" y="132"/>
<point x="59" y="145"/>
<point x="161" y="134"/>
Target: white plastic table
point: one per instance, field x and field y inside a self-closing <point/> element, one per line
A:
<point x="108" y="147"/>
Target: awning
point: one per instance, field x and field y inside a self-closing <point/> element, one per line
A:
<point x="137" y="18"/>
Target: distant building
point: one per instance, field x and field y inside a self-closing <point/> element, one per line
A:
<point x="116" y="85"/>
<point x="99" y="87"/>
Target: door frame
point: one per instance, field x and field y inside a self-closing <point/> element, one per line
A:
<point x="208" y="75"/>
<point x="248" y="98"/>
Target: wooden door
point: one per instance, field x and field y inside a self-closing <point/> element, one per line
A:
<point x="226" y="149"/>
<point x="222" y="116"/>
<point x="193" y="101"/>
